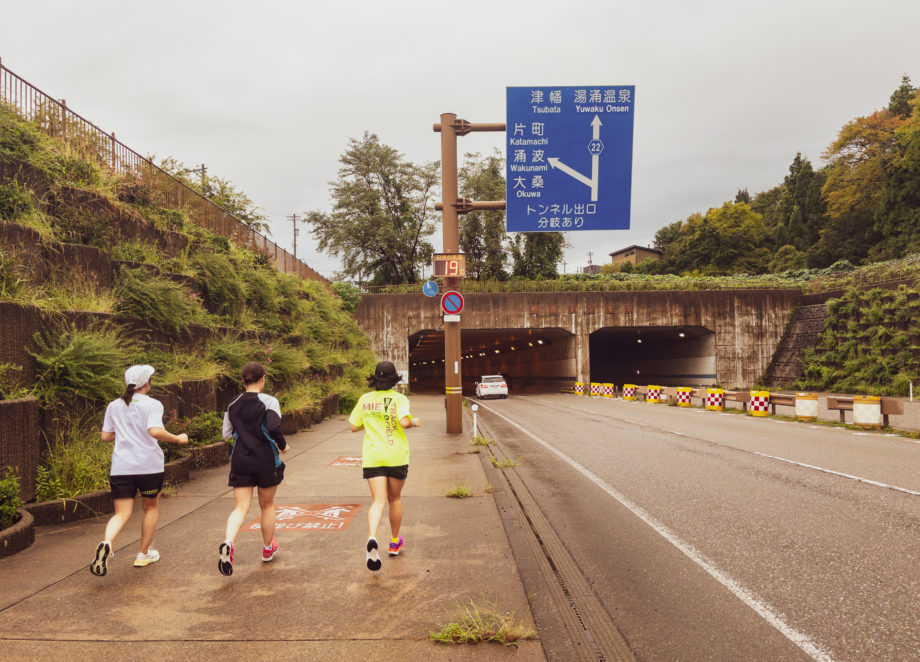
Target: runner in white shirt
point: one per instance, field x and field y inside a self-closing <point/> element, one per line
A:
<point x="135" y="423"/>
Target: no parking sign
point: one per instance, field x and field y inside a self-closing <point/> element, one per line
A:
<point x="452" y="303"/>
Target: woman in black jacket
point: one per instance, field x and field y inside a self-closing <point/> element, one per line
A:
<point x="253" y="421"/>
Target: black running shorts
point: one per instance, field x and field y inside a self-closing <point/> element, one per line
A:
<point x="125" y="487"/>
<point x="263" y="479"/>
<point x="399" y="473"/>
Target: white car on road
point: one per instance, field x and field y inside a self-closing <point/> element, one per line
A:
<point x="492" y="386"/>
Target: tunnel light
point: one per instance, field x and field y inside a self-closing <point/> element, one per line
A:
<point x="682" y="334"/>
<point x="540" y="342"/>
<point x="512" y="348"/>
<point x="530" y="344"/>
<point x="497" y="351"/>
<point x="639" y="340"/>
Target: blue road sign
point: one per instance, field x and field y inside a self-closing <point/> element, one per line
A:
<point x="569" y="158"/>
<point x="452" y="303"/>
<point x="430" y="288"/>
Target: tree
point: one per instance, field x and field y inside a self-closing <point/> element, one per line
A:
<point x="381" y="215"/>
<point x="899" y="104"/>
<point x="795" y="211"/>
<point x="899" y="214"/>
<point x="728" y="239"/>
<point x="220" y="191"/>
<point x="535" y="254"/>
<point x="482" y="233"/>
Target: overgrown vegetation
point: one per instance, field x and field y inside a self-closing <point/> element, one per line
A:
<point x="176" y="279"/>
<point x="76" y="461"/>
<point x="459" y="492"/>
<point x="870" y="344"/>
<point x="9" y="498"/>
<point x="476" y="624"/>
<point x="11" y="387"/>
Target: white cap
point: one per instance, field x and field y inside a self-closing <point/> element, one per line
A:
<point x="138" y="375"/>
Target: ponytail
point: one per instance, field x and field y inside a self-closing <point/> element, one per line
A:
<point x="128" y="394"/>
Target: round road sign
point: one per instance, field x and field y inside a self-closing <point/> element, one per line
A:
<point x="430" y="288"/>
<point x="452" y="303"/>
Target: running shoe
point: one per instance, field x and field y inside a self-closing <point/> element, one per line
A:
<point x="103" y="553"/>
<point x="268" y="553"/>
<point x="225" y="562"/>
<point x="373" y="558"/>
<point x="396" y="546"/>
<point x="152" y="556"/>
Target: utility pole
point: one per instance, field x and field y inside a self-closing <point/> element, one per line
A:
<point x="204" y="178"/>
<point x="452" y="206"/>
<point x="590" y="255"/>
<point x="293" y="218"/>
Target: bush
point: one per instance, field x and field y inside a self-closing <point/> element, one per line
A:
<point x="349" y="294"/>
<point x="87" y="362"/>
<point x="282" y="362"/>
<point x="221" y="282"/>
<point x="10" y="388"/>
<point x="167" y="305"/>
<point x="202" y="430"/>
<point x="9" y="498"/>
<point x="261" y="291"/>
<point x="77" y="462"/>
<point x="15" y="202"/>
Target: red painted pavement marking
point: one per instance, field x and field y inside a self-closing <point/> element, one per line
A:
<point x="346" y="462"/>
<point x="312" y="517"/>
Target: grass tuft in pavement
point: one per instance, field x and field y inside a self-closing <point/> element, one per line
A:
<point x="476" y="624"/>
<point x="459" y="492"/>
<point x="505" y="463"/>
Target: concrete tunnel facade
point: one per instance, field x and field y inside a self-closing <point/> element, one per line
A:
<point x="689" y="338"/>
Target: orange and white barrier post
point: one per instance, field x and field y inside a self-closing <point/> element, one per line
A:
<point x="806" y="406"/>
<point x="867" y="411"/>
<point x="715" y="399"/>
<point x="760" y="403"/>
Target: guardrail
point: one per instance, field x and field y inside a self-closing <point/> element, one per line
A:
<point x="88" y="141"/>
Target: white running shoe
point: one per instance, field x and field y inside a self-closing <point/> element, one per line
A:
<point x="152" y="556"/>
<point x="373" y="557"/>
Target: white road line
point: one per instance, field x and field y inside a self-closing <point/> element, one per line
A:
<point x="838" y="473"/>
<point x="768" y="613"/>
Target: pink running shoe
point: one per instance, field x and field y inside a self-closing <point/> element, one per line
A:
<point x="396" y="546"/>
<point x="268" y="553"/>
<point x="225" y="562"/>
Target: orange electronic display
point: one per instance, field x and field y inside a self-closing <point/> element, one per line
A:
<point x="450" y="265"/>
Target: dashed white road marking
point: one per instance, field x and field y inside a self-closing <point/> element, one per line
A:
<point x="768" y="613"/>
<point x="838" y="473"/>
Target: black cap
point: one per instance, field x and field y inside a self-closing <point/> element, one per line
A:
<point x="385" y="369"/>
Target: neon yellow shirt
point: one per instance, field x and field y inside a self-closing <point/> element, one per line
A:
<point x="385" y="442"/>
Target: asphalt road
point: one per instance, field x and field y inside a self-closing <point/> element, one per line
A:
<point x="710" y="536"/>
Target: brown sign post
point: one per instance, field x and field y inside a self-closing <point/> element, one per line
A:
<point x="451" y="207"/>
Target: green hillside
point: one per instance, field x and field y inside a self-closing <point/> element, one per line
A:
<point x="101" y="273"/>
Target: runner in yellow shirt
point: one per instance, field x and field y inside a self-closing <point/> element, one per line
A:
<point x="383" y="414"/>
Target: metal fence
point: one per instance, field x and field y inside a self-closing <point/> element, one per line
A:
<point x="650" y="284"/>
<point x="85" y="140"/>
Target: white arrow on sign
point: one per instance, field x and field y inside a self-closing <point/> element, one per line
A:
<point x="595" y="159"/>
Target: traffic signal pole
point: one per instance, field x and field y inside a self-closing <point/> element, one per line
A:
<point x="451" y="207"/>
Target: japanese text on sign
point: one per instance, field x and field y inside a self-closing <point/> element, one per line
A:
<point x="569" y="158"/>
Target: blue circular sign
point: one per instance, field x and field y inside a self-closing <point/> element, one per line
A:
<point x="430" y="288"/>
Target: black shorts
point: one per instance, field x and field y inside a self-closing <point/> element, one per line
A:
<point x="399" y="473"/>
<point x="263" y="479"/>
<point x="126" y="486"/>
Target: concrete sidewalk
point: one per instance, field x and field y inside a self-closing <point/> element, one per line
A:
<point x="315" y="601"/>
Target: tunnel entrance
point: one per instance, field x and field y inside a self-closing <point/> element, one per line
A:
<point x="662" y="355"/>
<point x="532" y="360"/>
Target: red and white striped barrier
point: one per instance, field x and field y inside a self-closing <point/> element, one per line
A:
<point x="629" y="392"/>
<point x="608" y="390"/>
<point x="579" y="388"/>
<point x="654" y="395"/>
<point x="683" y="396"/>
<point x="595" y="390"/>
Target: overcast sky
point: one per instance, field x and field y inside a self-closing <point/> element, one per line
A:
<point x="268" y="93"/>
